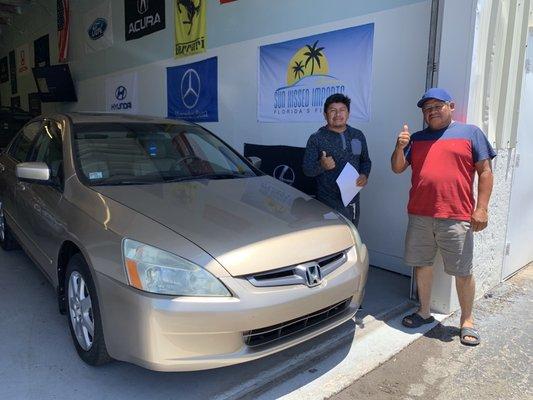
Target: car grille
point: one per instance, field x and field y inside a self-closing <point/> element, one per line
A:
<point x="259" y="337"/>
<point x="295" y="274"/>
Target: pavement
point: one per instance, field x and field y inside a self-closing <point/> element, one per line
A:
<point x="437" y="366"/>
<point x="38" y="360"/>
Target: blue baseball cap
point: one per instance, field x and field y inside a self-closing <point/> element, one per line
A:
<point x="434" y="93"/>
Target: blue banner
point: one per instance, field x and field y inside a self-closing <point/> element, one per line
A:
<point x="192" y="91"/>
<point x="296" y="77"/>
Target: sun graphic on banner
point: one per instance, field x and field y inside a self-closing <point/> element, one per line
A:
<point x="309" y="60"/>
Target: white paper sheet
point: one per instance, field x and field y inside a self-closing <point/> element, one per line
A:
<point x="346" y="183"/>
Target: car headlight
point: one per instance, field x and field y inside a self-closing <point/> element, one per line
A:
<point x="158" y="271"/>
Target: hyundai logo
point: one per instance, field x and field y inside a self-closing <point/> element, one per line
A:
<point x="313" y="275"/>
<point x="190" y="88"/>
<point x="97" y="28"/>
<point x="142" y="6"/>
<point x="121" y="92"/>
<point x="285" y="174"/>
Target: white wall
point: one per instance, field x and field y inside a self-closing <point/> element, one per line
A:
<point x="399" y="72"/>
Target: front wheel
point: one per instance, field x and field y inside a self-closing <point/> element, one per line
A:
<point x="84" y="318"/>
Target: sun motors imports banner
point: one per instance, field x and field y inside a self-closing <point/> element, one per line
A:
<point x="143" y="17"/>
<point x="189" y="18"/>
<point x="121" y="93"/>
<point x="98" y="28"/>
<point x="192" y="92"/>
<point x="296" y="77"/>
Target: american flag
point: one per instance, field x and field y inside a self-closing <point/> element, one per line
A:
<point x="63" y="28"/>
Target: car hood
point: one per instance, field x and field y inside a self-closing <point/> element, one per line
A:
<point x="248" y="225"/>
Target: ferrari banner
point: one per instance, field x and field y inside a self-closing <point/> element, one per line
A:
<point x="189" y="20"/>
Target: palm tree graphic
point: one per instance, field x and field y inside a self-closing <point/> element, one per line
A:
<point x="298" y="69"/>
<point x="313" y="55"/>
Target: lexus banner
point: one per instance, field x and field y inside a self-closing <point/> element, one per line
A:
<point x="143" y="17"/>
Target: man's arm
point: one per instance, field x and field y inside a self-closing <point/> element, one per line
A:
<point x="311" y="164"/>
<point x="484" y="190"/>
<point x="398" y="161"/>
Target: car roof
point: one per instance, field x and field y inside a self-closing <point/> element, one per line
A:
<point x="96" y="117"/>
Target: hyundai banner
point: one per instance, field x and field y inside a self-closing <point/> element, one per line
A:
<point x="121" y="93"/>
<point x="192" y="92"/>
<point x="143" y="17"/>
<point x="296" y="77"/>
<point x="98" y="28"/>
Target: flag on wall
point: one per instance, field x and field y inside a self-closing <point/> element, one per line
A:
<point x="63" y="28"/>
<point x="192" y="91"/>
<point x="143" y="17"/>
<point x="121" y="93"/>
<point x="189" y="20"/>
<point x="13" y="71"/>
<point x="23" y="59"/>
<point x="41" y="51"/>
<point x="296" y="77"/>
<point x="98" y="28"/>
<point x="226" y="1"/>
<point x="4" y="70"/>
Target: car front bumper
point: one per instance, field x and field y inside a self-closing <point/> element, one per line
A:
<point x="165" y="333"/>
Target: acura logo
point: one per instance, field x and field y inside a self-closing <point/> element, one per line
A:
<point x="142" y="6"/>
<point x="121" y="93"/>
<point x="285" y="174"/>
<point x="313" y="275"/>
<point x="190" y="88"/>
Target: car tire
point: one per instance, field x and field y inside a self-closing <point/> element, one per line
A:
<point x="83" y="313"/>
<point x="7" y="240"/>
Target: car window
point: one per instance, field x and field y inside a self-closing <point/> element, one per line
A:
<point x="135" y="153"/>
<point x="48" y="149"/>
<point x="21" y="146"/>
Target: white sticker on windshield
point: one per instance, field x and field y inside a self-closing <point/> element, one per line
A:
<point x="95" y="175"/>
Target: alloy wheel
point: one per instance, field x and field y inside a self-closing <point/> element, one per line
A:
<point x="81" y="310"/>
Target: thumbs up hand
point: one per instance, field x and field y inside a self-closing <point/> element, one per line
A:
<point x="327" y="162"/>
<point x="403" y="138"/>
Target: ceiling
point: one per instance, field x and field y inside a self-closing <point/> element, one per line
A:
<point x="9" y="9"/>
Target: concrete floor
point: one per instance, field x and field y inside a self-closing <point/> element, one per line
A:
<point x="38" y="359"/>
<point x="438" y="367"/>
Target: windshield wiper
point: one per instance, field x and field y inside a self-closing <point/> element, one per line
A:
<point x="124" y="183"/>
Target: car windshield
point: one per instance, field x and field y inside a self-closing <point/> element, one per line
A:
<point x="146" y="153"/>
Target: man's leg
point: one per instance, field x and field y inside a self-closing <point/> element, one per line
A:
<point x="466" y="290"/>
<point x="424" y="280"/>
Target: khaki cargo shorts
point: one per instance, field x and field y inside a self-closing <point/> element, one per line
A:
<point x="453" y="238"/>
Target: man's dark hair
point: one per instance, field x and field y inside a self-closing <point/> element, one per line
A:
<point x="337" y="98"/>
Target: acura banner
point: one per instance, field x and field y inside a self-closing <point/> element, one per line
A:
<point x="143" y="17"/>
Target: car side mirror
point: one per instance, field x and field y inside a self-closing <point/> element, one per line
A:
<point x="33" y="172"/>
<point x="256" y="161"/>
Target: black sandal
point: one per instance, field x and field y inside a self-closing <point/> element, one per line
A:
<point x="415" y="320"/>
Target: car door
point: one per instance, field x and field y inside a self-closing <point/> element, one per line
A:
<point x="44" y="221"/>
<point x="9" y="184"/>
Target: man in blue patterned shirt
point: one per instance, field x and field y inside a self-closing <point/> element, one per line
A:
<point x="330" y="148"/>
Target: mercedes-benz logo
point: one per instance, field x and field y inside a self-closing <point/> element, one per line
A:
<point x="121" y="92"/>
<point x="142" y="6"/>
<point x="285" y="174"/>
<point x="190" y="88"/>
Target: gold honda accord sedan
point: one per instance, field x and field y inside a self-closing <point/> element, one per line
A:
<point x="170" y="250"/>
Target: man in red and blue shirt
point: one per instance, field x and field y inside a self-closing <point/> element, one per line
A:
<point x="443" y="213"/>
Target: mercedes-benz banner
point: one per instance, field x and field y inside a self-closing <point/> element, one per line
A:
<point x="192" y="92"/>
<point x="143" y="17"/>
